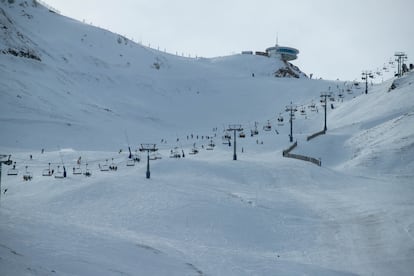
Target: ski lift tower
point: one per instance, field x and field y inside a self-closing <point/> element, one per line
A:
<point x="292" y="109"/>
<point x="400" y="57"/>
<point x="235" y="128"/>
<point x="148" y="148"/>
<point x="7" y="162"/>
<point x="324" y="95"/>
<point x="365" y="76"/>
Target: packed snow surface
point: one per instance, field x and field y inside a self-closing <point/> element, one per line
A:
<point x="76" y="96"/>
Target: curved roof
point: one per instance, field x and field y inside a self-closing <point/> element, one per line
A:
<point x="287" y="53"/>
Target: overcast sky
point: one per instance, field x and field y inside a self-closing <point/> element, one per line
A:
<point x="336" y="38"/>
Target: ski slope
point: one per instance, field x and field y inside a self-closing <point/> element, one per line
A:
<point x="94" y="93"/>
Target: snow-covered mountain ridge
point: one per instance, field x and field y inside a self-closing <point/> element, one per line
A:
<point x="87" y="72"/>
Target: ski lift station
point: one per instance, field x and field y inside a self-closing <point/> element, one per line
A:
<point x="282" y="52"/>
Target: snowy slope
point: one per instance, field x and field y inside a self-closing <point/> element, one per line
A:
<point x="94" y="92"/>
<point x="372" y="132"/>
<point x="92" y="77"/>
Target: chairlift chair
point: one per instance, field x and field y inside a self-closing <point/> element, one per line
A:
<point x="280" y="120"/>
<point x="137" y="157"/>
<point x="132" y="158"/>
<point x="105" y="167"/>
<point x="113" y="166"/>
<point x="267" y="127"/>
<point x="175" y="153"/>
<point x="193" y="151"/>
<point x="47" y="172"/>
<point x="77" y="171"/>
<point x="87" y="173"/>
<point x="210" y="145"/>
<point x="303" y="111"/>
<point x="155" y="156"/>
<point x="254" y="132"/>
<point x="59" y="173"/>
<point x="242" y="135"/>
<point x="226" y="139"/>
<point x="13" y="171"/>
<point x="130" y="162"/>
<point x="27" y="175"/>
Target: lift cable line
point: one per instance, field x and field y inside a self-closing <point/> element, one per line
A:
<point x="291" y="109"/>
<point x="148" y="148"/>
<point x="234" y="128"/>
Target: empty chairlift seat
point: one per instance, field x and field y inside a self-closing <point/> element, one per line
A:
<point x="77" y="170"/>
<point x="130" y="162"/>
<point x="104" y="167"/>
<point x="13" y="170"/>
<point x="48" y="171"/>
<point x="60" y="173"/>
